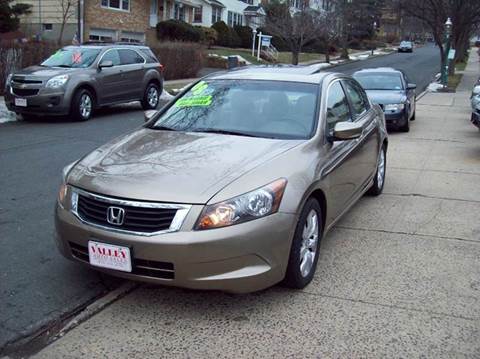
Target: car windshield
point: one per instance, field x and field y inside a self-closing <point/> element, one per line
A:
<point x="377" y="81"/>
<point x="271" y="109"/>
<point x="405" y="43"/>
<point x="76" y="57"/>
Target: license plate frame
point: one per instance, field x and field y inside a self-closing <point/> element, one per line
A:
<point x="20" y="102"/>
<point x="109" y="256"/>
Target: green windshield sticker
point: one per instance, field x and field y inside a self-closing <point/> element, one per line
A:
<point x="199" y="88"/>
<point x="57" y="54"/>
<point x="194" y="101"/>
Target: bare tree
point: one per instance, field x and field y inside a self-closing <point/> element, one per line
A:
<point x="296" y="23"/>
<point x="68" y="10"/>
<point x="330" y="29"/>
<point x="465" y="16"/>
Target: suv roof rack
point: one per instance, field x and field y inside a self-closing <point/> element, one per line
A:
<point x="109" y="43"/>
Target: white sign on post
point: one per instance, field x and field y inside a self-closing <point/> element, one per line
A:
<point x="266" y="41"/>
<point x="451" y="54"/>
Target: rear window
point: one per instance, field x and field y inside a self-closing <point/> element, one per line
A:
<point x="149" y="56"/>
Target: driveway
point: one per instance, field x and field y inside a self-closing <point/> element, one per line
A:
<point x="399" y="276"/>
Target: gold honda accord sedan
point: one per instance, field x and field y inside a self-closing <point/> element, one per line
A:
<point x="231" y="186"/>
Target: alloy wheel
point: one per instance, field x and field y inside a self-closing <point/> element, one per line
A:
<point x="152" y="97"/>
<point x="381" y="169"/>
<point x="85" y="106"/>
<point x="309" y="245"/>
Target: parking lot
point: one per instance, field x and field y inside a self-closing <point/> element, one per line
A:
<point x="398" y="276"/>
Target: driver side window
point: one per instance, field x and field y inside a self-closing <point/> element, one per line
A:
<point x="337" y="106"/>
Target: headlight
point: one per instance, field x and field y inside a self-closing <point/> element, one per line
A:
<point x="246" y="207"/>
<point x="57" y="81"/>
<point x="8" y="80"/>
<point x="394" y="107"/>
<point x="63" y="191"/>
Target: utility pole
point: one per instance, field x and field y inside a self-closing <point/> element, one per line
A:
<point x="448" y="32"/>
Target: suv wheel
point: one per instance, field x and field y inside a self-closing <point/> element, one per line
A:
<point x="82" y="105"/>
<point x="303" y="259"/>
<point x="151" y="97"/>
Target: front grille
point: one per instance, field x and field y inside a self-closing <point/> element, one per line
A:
<point x="24" y="92"/>
<point x="137" y="219"/>
<point x="22" y="80"/>
<point x="143" y="267"/>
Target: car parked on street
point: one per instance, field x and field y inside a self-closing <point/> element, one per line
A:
<point x="76" y="80"/>
<point x="475" y="102"/>
<point x="391" y="89"/>
<point x="405" y="46"/>
<point x="231" y="186"/>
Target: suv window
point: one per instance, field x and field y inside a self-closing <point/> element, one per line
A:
<point x="149" y="55"/>
<point x="128" y="57"/>
<point x="357" y="98"/>
<point x="112" y="55"/>
<point x="337" y="106"/>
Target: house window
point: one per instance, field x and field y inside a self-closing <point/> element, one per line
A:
<point x="197" y="14"/>
<point x="216" y="14"/>
<point x="47" y="27"/>
<point x="234" y="19"/>
<point x="179" y="12"/>
<point x="136" y="37"/>
<point x="104" y="35"/>
<point x="117" y="4"/>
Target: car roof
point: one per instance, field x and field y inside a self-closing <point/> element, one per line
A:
<point x="107" y="45"/>
<point x="306" y="74"/>
<point x="377" y="70"/>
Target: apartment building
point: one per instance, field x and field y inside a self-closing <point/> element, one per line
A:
<point x="132" y="20"/>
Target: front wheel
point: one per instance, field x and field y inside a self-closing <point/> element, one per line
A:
<point x="379" y="179"/>
<point x="405" y="127"/>
<point x="82" y="105"/>
<point x="151" y="97"/>
<point x="304" y="252"/>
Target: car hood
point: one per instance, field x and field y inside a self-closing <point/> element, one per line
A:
<point x="170" y="166"/>
<point x="42" y="72"/>
<point x="383" y="97"/>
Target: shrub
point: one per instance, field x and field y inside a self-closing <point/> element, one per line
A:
<point x="226" y="35"/>
<point x="180" y="59"/>
<point x="15" y="56"/>
<point x="209" y="35"/>
<point x="245" y="34"/>
<point x="175" y="30"/>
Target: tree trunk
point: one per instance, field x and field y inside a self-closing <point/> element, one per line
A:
<point x="60" y="35"/>
<point x="295" y="56"/>
<point x="327" y="54"/>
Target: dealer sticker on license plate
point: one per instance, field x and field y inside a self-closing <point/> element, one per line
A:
<point x="109" y="256"/>
<point x="21" y="102"/>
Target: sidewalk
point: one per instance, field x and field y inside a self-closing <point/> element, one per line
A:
<point x="399" y="276"/>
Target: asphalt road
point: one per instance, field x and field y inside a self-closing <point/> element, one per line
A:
<point x="38" y="286"/>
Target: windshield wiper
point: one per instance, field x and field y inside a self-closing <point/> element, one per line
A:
<point x="163" y="128"/>
<point x="224" y="132"/>
<point x="67" y="66"/>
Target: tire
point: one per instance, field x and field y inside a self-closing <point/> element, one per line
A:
<point x="28" y="117"/>
<point x="406" y="126"/>
<point x="413" y="117"/>
<point x="151" y="97"/>
<point x="379" y="179"/>
<point x="82" y="105"/>
<point x="306" y="239"/>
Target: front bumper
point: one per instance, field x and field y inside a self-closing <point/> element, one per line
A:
<point x="45" y="102"/>
<point x="242" y="258"/>
<point x="396" y="118"/>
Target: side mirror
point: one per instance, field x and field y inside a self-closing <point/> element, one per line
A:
<point x="106" y="63"/>
<point x="149" y="114"/>
<point x="411" y="86"/>
<point x="347" y="131"/>
<point x="476" y="90"/>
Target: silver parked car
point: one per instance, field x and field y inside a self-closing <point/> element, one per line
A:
<point x="231" y="186"/>
<point x="76" y="80"/>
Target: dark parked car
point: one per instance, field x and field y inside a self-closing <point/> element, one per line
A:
<point x="76" y="80"/>
<point x="390" y="89"/>
<point x="405" y="46"/>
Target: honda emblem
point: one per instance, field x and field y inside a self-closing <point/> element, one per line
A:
<point x="115" y="215"/>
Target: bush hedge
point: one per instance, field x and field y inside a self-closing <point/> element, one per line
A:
<point x="209" y="35"/>
<point x="176" y="30"/>
<point x="245" y="34"/>
<point x="227" y="36"/>
<point x="181" y="59"/>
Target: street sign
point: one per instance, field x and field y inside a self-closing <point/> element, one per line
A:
<point x="451" y="54"/>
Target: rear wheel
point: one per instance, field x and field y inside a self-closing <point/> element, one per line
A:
<point x="151" y="97"/>
<point x="82" y="105"/>
<point x="304" y="252"/>
<point x="379" y="179"/>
